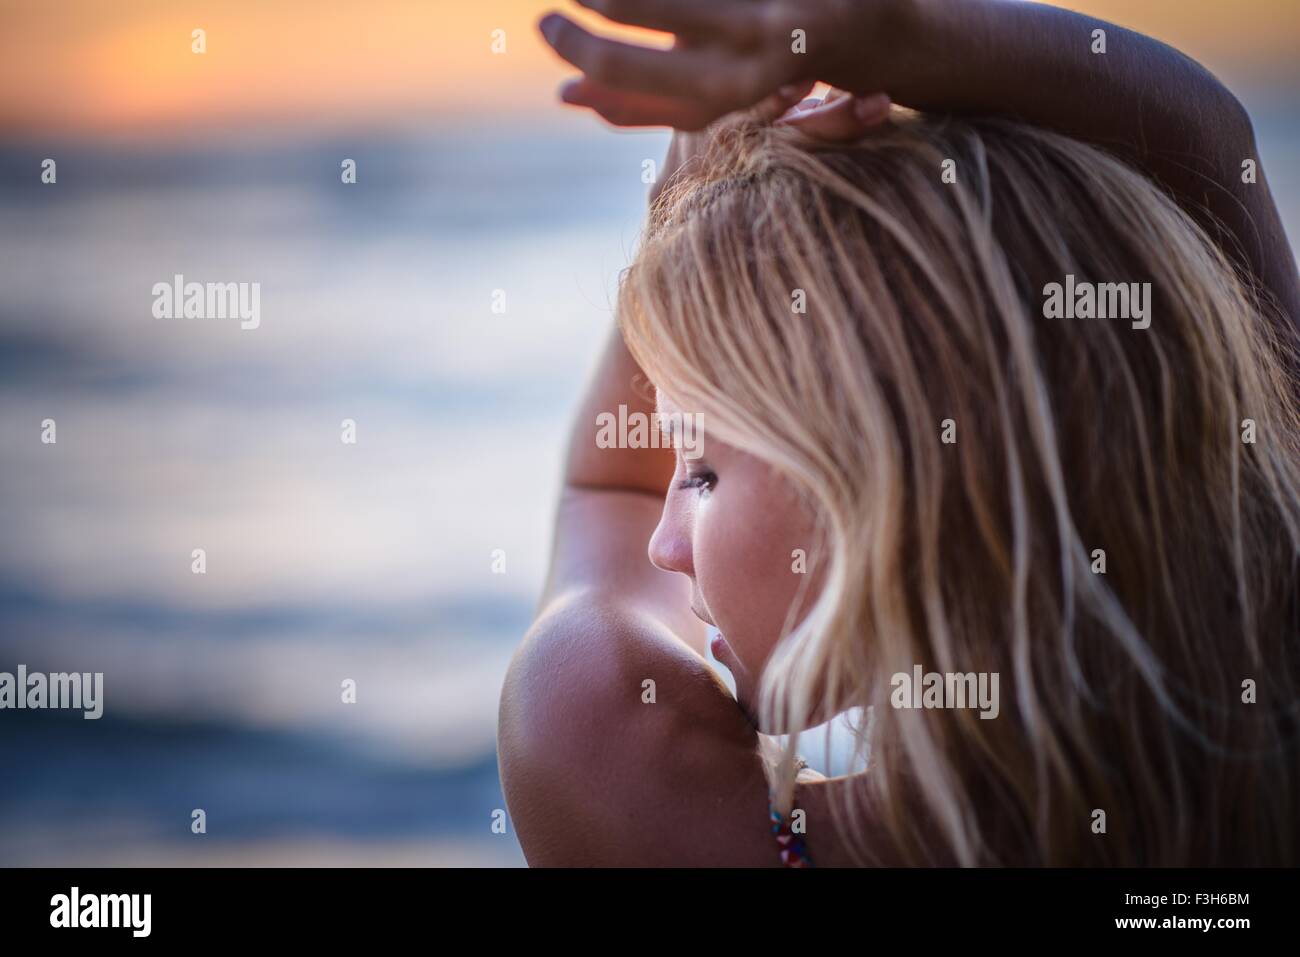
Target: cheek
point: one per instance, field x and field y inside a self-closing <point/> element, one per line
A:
<point x="747" y="574"/>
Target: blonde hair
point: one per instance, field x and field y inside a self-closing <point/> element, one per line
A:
<point x="1123" y="691"/>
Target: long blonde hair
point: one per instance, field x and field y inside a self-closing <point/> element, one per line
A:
<point x="1108" y="517"/>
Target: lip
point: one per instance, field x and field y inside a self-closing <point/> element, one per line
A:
<point x="726" y="656"/>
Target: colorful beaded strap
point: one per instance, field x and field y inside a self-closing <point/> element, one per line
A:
<point x="794" y="852"/>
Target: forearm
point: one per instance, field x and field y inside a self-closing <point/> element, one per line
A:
<point x="609" y="506"/>
<point x="1140" y="99"/>
<point x="618" y="381"/>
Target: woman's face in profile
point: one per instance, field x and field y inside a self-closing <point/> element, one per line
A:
<point x="736" y="528"/>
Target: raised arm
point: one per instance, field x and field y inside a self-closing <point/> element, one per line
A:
<point x="610" y="502"/>
<point x="1140" y="98"/>
<point x="593" y="772"/>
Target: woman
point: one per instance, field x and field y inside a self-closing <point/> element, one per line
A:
<point x="1000" y="445"/>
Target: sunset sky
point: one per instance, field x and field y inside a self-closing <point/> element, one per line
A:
<point x="91" y="66"/>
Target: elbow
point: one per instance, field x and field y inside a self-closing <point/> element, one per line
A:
<point x="540" y="720"/>
<point x="522" y="786"/>
<point x="1214" y="107"/>
<point x="1235" y="120"/>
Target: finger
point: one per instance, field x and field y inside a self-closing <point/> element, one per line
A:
<point x="846" y="118"/>
<point x="624" y="108"/>
<point x="726" y="20"/>
<point x="813" y="102"/>
<point x="828" y="121"/>
<point x="804" y="106"/>
<point x="798" y="89"/>
<point x="775" y="105"/>
<point x="681" y="71"/>
<point x="872" y="110"/>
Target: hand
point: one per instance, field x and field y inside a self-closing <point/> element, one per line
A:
<point x="841" y="116"/>
<point x="727" y="55"/>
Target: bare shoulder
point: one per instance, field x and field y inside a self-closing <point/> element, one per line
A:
<point x="618" y="745"/>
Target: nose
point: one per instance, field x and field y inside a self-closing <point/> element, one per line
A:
<point x="670" y="545"/>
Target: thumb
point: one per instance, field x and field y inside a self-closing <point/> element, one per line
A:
<point x="845" y="118"/>
<point x="773" y="106"/>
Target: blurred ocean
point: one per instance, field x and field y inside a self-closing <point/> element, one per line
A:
<point x="325" y="561"/>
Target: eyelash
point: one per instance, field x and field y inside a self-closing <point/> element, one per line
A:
<point x="704" y="482"/>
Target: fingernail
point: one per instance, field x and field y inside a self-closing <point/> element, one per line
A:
<point x="871" y="107"/>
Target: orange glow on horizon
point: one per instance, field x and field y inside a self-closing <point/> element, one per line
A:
<point x="85" y="66"/>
